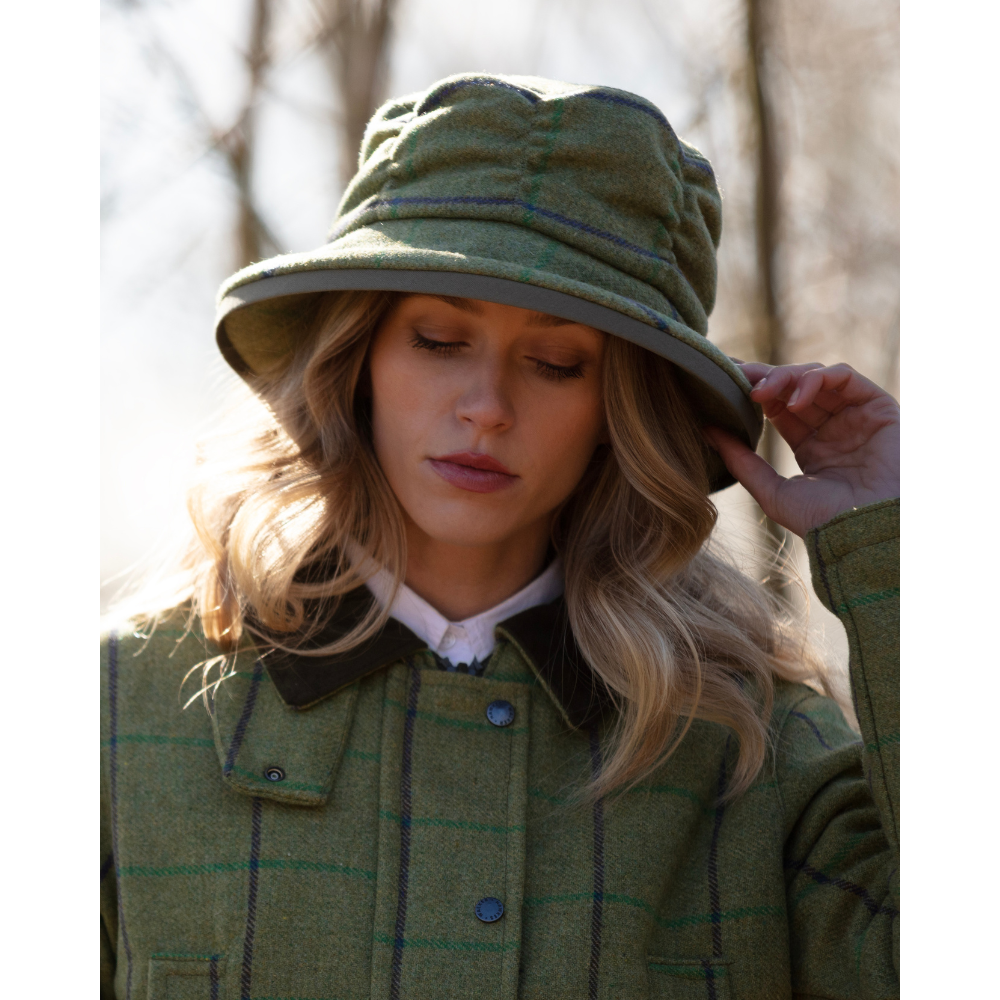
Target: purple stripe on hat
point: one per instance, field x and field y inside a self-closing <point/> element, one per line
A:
<point x="478" y="81"/>
<point x="660" y="325"/>
<point x="547" y="213"/>
<point x="657" y="114"/>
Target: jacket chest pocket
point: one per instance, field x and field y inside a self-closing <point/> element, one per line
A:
<point x="688" y="978"/>
<point x="182" y="977"/>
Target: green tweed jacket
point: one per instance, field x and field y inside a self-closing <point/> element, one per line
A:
<point x="329" y="829"/>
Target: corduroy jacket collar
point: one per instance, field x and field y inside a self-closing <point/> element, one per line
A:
<point x="541" y="634"/>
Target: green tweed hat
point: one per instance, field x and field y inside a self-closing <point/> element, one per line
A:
<point x="577" y="201"/>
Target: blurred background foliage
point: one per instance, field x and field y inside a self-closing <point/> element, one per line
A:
<point x="230" y="128"/>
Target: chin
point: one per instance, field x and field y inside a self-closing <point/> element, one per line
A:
<point x="469" y="534"/>
<point x="466" y="524"/>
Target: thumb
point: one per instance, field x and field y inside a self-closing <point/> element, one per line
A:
<point x="755" y="475"/>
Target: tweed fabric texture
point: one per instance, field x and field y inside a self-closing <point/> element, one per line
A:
<point x="402" y="806"/>
<point x="581" y="190"/>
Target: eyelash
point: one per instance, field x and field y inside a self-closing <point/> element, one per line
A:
<point x="557" y="373"/>
<point x="443" y="347"/>
<point x="447" y="348"/>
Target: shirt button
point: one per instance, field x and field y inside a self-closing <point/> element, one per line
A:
<point x="448" y="641"/>
<point x="274" y="774"/>
<point x="488" y="909"/>
<point x="500" y="712"/>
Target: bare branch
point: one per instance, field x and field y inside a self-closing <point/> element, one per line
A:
<point x="771" y="336"/>
<point x="353" y="36"/>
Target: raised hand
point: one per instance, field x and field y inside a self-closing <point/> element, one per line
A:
<point x="842" y="429"/>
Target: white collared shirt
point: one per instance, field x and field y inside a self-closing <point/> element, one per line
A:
<point x="472" y="639"/>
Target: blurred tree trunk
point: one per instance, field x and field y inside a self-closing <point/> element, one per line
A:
<point x="253" y="239"/>
<point x="354" y="37"/>
<point x="771" y="345"/>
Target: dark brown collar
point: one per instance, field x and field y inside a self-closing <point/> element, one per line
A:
<point x="542" y="634"/>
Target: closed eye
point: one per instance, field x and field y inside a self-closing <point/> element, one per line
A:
<point x="558" y="372"/>
<point x="442" y="347"/>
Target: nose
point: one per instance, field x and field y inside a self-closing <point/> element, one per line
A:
<point x="485" y="401"/>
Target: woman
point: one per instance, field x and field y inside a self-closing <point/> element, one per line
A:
<point x="492" y="718"/>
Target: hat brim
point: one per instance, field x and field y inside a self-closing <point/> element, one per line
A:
<point x="264" y="309"/>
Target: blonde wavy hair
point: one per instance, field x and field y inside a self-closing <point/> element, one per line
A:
<point x="297" y="512"/>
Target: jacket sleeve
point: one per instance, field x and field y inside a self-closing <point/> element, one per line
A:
<point x="841" y="795"/>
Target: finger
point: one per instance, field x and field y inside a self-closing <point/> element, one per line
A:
<point x="754" y="370"/>
<point x="834" y="387"/>
<point x="756" y="476"/>
<point x="825" y="392"/>
<point x="826" y="382"/>
<point x="780" y="382"/>
<point x="813" y="393"/>
<point x="811" y="414"/>
<point x="811" y="405"/>
<point x="789" y="425"/>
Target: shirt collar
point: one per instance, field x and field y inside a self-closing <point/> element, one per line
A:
<point x="541" y="634"/>
<point x="472" y="638"/>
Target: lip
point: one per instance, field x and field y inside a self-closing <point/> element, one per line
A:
<point x="473" y="472"/>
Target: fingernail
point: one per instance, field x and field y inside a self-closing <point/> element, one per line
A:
<point x="759" y="385"/>
<point x="794" y="396"/>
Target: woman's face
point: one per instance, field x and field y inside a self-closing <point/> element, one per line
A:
<point x="485" y="416"/>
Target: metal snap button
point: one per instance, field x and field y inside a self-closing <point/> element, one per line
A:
<point x="488" y="909"/>
<point x="274" y="774"/>
<point x="500" y="712"/>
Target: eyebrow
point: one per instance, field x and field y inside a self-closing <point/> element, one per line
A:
<point x="466" y="305"/>
<point x="546" y="319"/>
<point x="471" y="306"/>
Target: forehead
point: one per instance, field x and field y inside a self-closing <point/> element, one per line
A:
<point x="476" y="307"/>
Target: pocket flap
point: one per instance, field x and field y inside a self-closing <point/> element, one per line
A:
<point x="186" y="977"/>
<point x="673" y="978"/>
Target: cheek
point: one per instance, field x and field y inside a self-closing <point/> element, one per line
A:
<point x="394" y="409"/>
<point x="564" y="433"/>
<point x="401" y="409"/>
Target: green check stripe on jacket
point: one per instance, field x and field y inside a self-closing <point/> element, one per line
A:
<point x="401" y="806"/>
